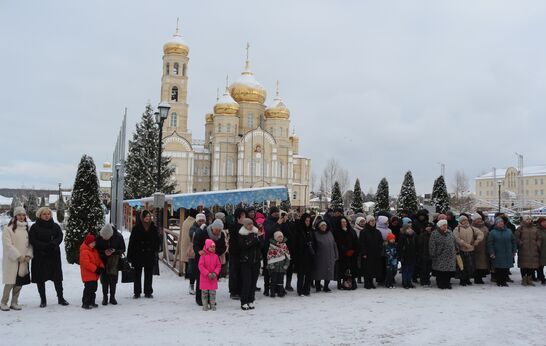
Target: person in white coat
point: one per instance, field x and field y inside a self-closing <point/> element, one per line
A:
<point x="17" y="253"/>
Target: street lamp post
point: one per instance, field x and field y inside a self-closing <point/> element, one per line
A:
<point x="160" y="116"/>
<point x="499" y="183"/>
<point x="115" y="199"/>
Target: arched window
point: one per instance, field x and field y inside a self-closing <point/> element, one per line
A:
<point x="174" y="120"/>
<point x="167" y="69"/>
<point x="228" y="128"/>
<point x="295" y="195"/>
<point x="219" y="128"/>
<point x="250" y="120"/>
<point x="174" y="94"/>
<point x="184" y="70"/>
<point x="175" y="68"/>
<point x="229" y="167"/>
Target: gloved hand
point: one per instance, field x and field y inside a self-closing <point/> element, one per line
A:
<point x="99" y="270"/>
<point x="21" y="259"/>
<point x="203" y="226"/>
<point x="349" y="253"/>
<point x="212" y="276"/>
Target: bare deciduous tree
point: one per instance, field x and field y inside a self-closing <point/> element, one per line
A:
<point x="334" y="172"/>
<point x="462" y="200"/>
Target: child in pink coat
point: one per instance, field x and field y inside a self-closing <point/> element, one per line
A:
<point x="209" y="269"/>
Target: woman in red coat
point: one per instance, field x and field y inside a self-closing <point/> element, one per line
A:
<point x="91" y="267"/>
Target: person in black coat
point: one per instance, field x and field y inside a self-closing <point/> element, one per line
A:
<point x="142" y="253"/>
<point x="111" y="247"/>
<point x="45" y="236"/>
<point x="371" y="251"/>
<point x="213" y="232"/>
<point x="424" y="260"/>
<point x="272" y="224"/>
<point x="347" y="244"/>
<point x="407" y="252"/>
<point x="303" y="253"/>
<point x="234" y="264"/>
<point x="250" y="244"/>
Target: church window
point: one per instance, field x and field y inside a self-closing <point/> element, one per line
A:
<point x="229" y="167"/>
<point x="175" y="68"/>
<point x="174" y="120"/>
<point x="184" y="70"/>
<point x="228" y="128"/>
<point x="250" y="120"/>
<point x="295" y="195"/>
<point x="167" y="69"/>
<point x="174" y="94"/>
<point x="219" y="128"/>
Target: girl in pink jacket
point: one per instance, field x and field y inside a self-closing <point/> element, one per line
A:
<point x="209" y="269"/>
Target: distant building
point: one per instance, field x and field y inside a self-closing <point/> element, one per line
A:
<point x="533" y="179"/>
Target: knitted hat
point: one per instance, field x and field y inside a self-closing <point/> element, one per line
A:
<point x="248" y="221"/>
<point x="219" y="215"/>
<point x="106" y="231"/>
<point x="463" y="218"/>
<point x="442" y="217"/>
<point x="18" y="211"/>
<point x="477" y="217"/>
<point x="498" y="219"/>
<point x="406" y="221"/>
<point x="441" y="223"/>
<point x="201" y="217"/>
<point x="217" y="224"/>
<point x="359" y="220"/>
<point x="89" y="238"/>
<point x="391" y="236"/>
<point x="370" y="218"/>
<point x="278" y="236"/>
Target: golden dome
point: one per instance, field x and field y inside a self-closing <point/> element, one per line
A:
<point x="246" y="88"/>
<point x="176" y="44"/>
<point x="278" y="109"/>
<point x="106" y="164"/>
<point x="226" y="105"/>
<point x="209" y="118"/>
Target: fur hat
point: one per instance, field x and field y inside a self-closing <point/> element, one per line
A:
<point x="441" y="223"/>
<point x="89" y="238"/>
<point x="42" y="210"/>
<point x="278" y="236"/>
<point x="370" y="218"/>
<point x="219" y="215"/>
<point x="359" y="220"/>
<point x="217" y="224"/>
<point x="391" y="236"/>
<point x="201" y="216"/>
<point x="248" y="221"/>
<point x="18" y="211"/>
<point x="106" y="231"/>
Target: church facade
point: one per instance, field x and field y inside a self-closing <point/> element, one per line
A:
<point x="247" y="144"/>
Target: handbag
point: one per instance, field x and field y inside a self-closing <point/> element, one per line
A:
<point x="460" y="263"/>
<point x="127" y="272"/>
<point x="22" y="280"/>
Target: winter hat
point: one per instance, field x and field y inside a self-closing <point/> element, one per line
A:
<point x="106" y="231"/>
<point x="273" y="210"/>
<point x="462" y="218"/>
<point x="441" y="223"/>
<point x="42" y="210"/>
<point x="217" y="224"/>
<point x="477" y="217"/>
<point x="89" y="238"/>
<point x="248" y="221"/>
<point x="370" y="218"/>
<point x="18" y="211"/>
<point x="322" y="222"/>
<point x="383" y="221"/>
<point x="442" y="217"/>
<point x="201" y="216"/>
<point x="391" y="236"/>
<point x="208" y="244"/>
<point x="278" y="236"/>
<point x="359" y="220"/>
<point x="406" y="221"/>
<point x="219" y="215"/>
<point x="498" y="219"/>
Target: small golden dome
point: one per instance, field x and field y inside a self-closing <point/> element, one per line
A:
<point x="176" y="44"/>
<point x="106" y="164"/>
<point x="246" y="88"/>
<point x="278" y="109"/>
<point x="209" y="118"/>
<point x="226" y="105"/>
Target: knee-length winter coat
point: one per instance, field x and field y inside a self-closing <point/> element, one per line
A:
<point x="481" y="257"/>
<point x="325" y="257"/>
<point x="371" y="251"/>
<point x="15" y="244"/>
<point x="501" y="243"/>
<point x="143" y="246"/>
<point x="442" y="249"/>
<point x="209" y="262"/>
<point x="304" y="248"/>
<point x="45" y="238"/>
<point x="529" y="242"/>
<point x="89" y="263"/>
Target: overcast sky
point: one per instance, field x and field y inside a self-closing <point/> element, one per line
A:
<point x="383" y="86"/>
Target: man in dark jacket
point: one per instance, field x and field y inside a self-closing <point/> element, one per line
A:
<point x="214" y="232"/>
<point x="234" y="264"/>
<point x="424" y="260"/>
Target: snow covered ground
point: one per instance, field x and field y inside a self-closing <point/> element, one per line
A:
<point x="485" y="315"/>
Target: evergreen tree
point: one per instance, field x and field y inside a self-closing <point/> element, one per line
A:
<point x="440" y="197"/>
<point x="14" y="204"/>
<point x="336" y="198"/>
<point x="61" y="208"/>
<point x="356" y="206"/>
<point x="42" y="202"/>
<point x="141" y="165"/>
<point x="382" y="196"/>
<point x="407" y="201"/>
<point x="86" y="212"/>
<point x="32" y="206"/>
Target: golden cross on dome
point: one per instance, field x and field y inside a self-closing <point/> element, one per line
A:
<point x="217" y="94"/>
<point x="277" y="90"/>
<point x="177" y="32"/>
<point x="247" y="63"/>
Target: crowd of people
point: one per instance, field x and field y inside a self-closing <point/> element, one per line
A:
<point x="319" y="248"/>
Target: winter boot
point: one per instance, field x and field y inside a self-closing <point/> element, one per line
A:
<point x="105" y="299"/>
<point x="62" y="301"/>
<point x="15" y="299"/>
<point x="524" y="281"/>
<point x="212" y="300"/>
<point x="205" y="299"/>
<point x="191" y="290"/>
<point x="530" y="281"/>
<point x="280" y="291"/>
<point x="113" y="300"/>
